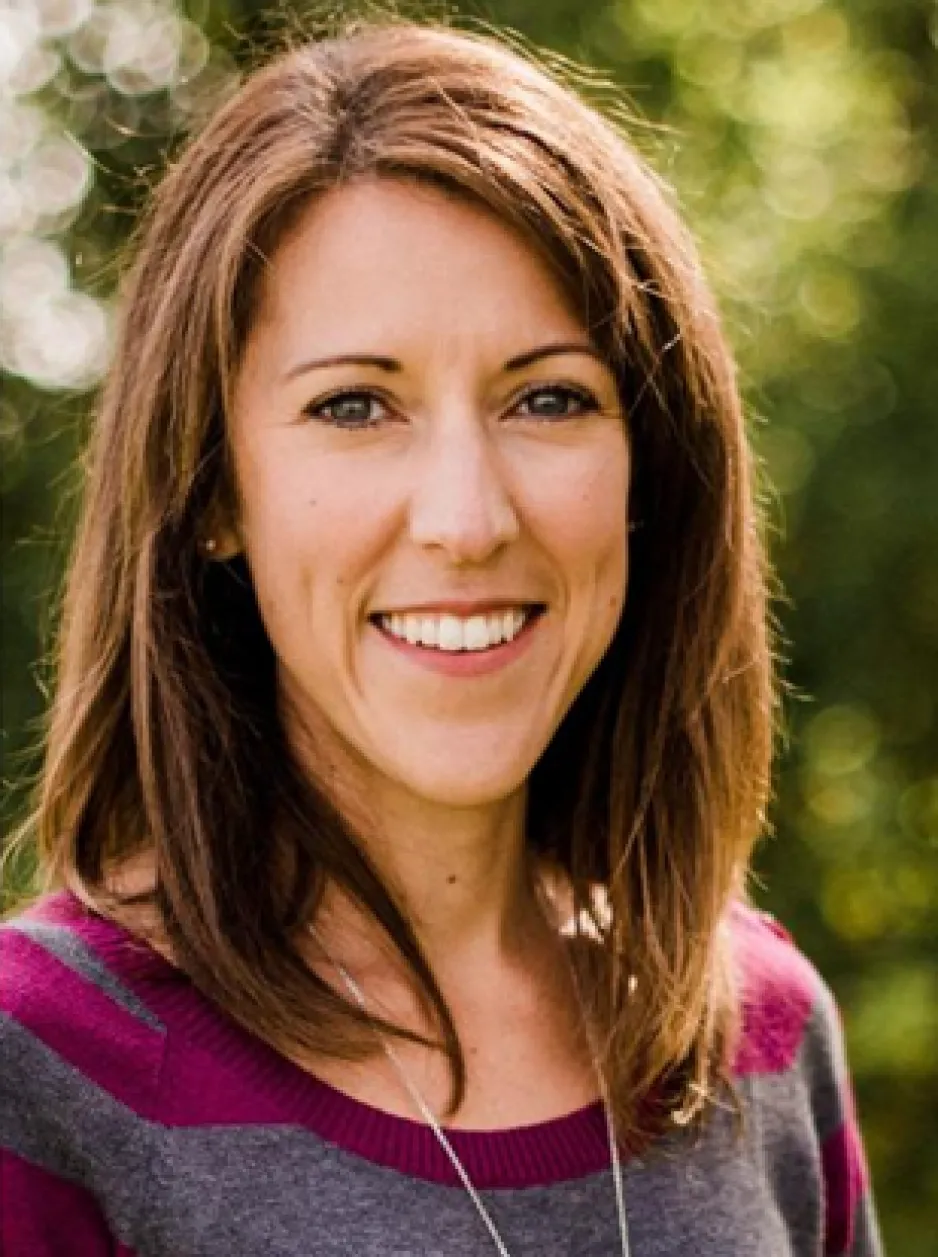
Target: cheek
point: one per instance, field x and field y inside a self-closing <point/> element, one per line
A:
<point x="282" y="532"/>
<point x="591" y="531"/>
<point x="588" y="526"/>
<point x="308" y="542"/>
<point x="596" y="549"/>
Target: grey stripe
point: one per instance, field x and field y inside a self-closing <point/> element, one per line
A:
<point x="54" y="1117"/>
<point x="822" y="1062"/>
<point x="66" y="946"/>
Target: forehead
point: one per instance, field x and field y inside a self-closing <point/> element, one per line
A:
<point x="393" y="260"/>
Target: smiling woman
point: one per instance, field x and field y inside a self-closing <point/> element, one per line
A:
<point x="414" y="718"/>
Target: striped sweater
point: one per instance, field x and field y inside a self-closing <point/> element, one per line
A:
<point x="137" y="1120"/>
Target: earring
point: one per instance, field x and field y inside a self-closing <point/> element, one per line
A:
<point x="209" y="545"/>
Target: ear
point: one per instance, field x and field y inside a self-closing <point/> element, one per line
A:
<point x="219" y="535"/>
<point x="219" y="544"/>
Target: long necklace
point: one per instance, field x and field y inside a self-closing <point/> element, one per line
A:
<point x="430" y="1118"/>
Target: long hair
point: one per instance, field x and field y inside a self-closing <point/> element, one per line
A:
<point x="164" y="734"/>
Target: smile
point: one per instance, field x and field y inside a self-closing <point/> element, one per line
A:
<point x="485" y="643"/>
<point x="452" y="633"/>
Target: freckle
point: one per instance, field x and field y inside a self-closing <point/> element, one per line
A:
<point x="452" y="879"/>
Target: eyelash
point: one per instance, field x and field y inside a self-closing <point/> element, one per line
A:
<point x="587" y="402"/>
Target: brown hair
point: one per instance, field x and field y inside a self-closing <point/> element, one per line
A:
<point x="164" y="735"/>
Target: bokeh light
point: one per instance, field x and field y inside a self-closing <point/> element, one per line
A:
<point x="62" y="64"/>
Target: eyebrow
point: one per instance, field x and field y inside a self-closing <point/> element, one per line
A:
<point x="382" y="363"/>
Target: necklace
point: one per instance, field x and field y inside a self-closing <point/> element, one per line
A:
<point x="430" y="1118"/>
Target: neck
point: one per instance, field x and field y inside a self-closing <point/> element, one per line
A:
<point x="462" y="877"/>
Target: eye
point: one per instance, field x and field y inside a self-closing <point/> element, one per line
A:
<point x="558" y="401"/>
<point x="353" y="409"/>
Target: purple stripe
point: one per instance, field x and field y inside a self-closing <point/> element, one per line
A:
<point x="130" y="958"/>
<point x="845" y="1182"/>
<point x="778" y="990"/>
<point x="254" y="1084"/>
<point x="78" y="1022"/>
<point x="39" y="1208"/>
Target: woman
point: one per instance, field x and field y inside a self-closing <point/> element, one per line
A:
<point x="413" y="723"/>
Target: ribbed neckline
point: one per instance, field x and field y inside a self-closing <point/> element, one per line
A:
<point x="557" y="1150"/>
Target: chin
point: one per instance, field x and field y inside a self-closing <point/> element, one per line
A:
<point x="457" y="788"/>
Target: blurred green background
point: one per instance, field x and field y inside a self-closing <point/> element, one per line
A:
<point x="801" y="139"/>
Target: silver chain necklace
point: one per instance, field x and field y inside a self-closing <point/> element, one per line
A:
<point x="430" y="1118"/>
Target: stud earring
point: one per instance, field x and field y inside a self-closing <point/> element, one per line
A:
<point x="209" y="545"/>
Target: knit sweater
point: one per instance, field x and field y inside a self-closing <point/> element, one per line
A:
<point x="138" y="1120"/>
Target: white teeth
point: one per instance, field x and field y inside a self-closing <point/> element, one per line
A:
<point x="450" y="637"/>
<point x="475" y="633"/>
<point x="451" y="633"/>
<point x="429" y="631"/>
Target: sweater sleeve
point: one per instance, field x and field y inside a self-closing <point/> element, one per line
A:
<point x="791" y="1028"/>
<point x="785" y="981"/>
<point x="851" y="1224"/>
<point x="64" y="1057"/>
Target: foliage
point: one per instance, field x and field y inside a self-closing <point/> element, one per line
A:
<point x="800" y="138"/>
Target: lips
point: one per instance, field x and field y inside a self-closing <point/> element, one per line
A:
<point x="461" y="647"/>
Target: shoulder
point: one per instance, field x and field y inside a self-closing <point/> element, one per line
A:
<point x="787" y="1011"/>
<point x="72" y="1023"/>
<point x="80" y="1061"/>
<point x="791" y="1050"/>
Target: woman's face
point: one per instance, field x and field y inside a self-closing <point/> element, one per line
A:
<point x="427" y="447"/>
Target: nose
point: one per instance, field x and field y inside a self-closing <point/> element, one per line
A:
<point x="461" y="503"/>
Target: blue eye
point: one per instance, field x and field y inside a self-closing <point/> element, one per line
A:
<point x="554" y="401"/>
<point x="352" y="409"/>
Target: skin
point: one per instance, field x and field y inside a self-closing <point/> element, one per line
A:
<point x="455" y="478"/>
